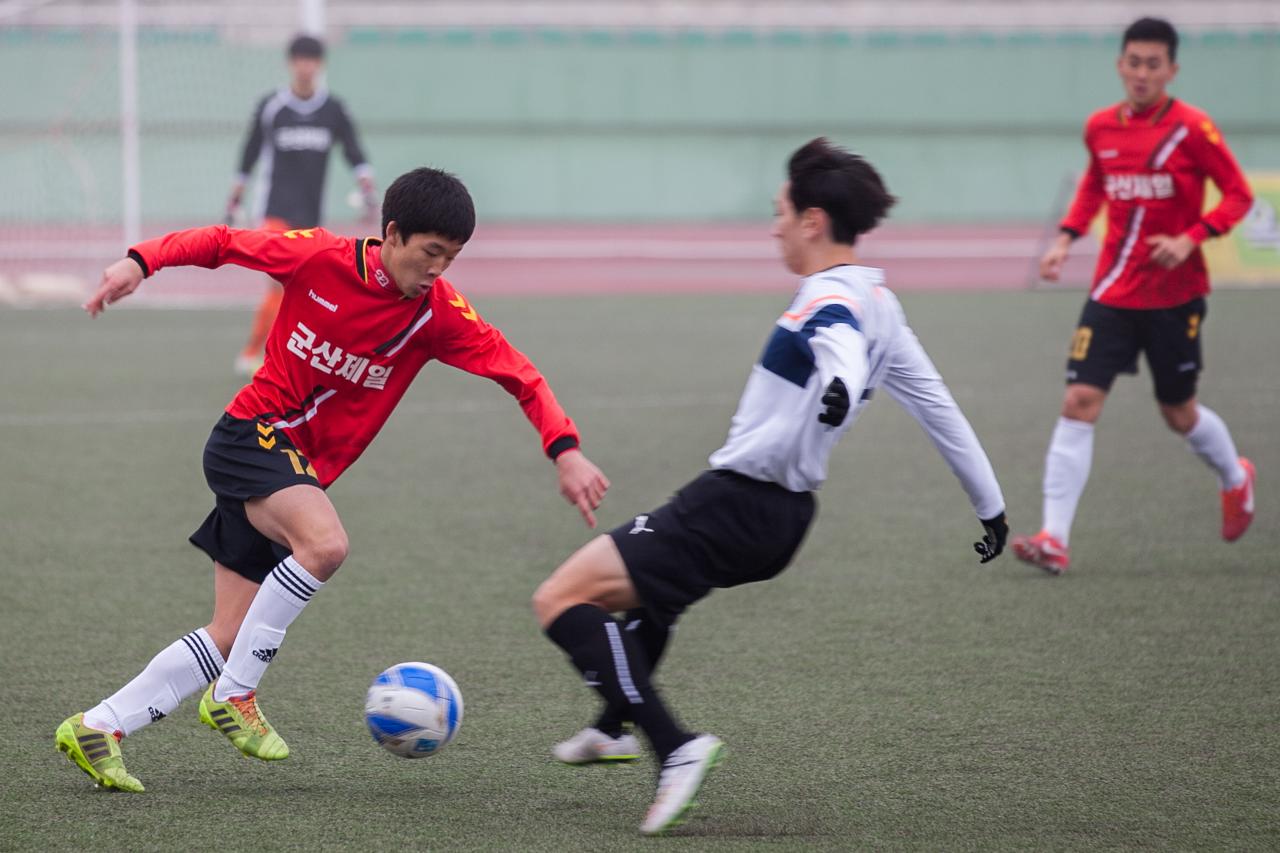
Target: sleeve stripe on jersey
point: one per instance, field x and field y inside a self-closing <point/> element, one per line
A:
<point x="1135" y="226"/>
<point x="803" y="312"/>
<point x="422" y="321"/>
<point x="788" y="353"/>
<point x="830" y="315"/>
<point x="1167" y="145"/>
<point x="382" y="348"/>
<point x="308" y="414"/>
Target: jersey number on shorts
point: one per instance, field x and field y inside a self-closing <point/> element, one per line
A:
<point x="1080" y="343"/>
<point x="1193" y="326"/>
<point x="297" y="461"/>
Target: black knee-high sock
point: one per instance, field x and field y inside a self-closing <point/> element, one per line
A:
<point x="651" y="636"/>
<point x="612" y="662"/>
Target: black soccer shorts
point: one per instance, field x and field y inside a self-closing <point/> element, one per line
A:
<point x="1107" y="341"/>
<point x="721" y="530"/>
<point x="246" y="459"/>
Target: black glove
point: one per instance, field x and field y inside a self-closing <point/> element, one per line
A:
<point x="993" y="542"/>
<point x="836" y="400"/>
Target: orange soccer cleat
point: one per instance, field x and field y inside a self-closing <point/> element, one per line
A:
<point x="1044" y="551"/>
<point x="1237" y="504"/>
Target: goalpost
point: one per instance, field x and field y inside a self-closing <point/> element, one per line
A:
<point x="123" y="118"/>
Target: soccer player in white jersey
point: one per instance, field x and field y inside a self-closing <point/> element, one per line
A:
<point x="843" y="335"/>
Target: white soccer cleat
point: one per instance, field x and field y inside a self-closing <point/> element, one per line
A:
<point x="678" y="783"/>
<point x="591" y="745"/>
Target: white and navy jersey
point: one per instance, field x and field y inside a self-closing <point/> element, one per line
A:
<point x="843" y="322"/>
<point x="290" y="137"/>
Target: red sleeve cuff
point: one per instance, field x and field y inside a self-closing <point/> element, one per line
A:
<point x="562" y="444"/>
<point x="1200" y="232"/>
<point x="140" y="261"/>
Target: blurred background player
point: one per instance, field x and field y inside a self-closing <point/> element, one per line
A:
<point x="1149" y="156"/>
<point x="742" y="521"/>
<point x="290" y="135"/>
<point x="355" y="330"/>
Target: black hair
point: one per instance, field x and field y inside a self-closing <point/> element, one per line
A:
<point x="429" y="201"/>
<point x="842" y="184"/>
<point x="306" y="47"/>
<point x="1152" y="29"/>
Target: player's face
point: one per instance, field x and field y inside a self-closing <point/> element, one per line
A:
<point x="787" y="228"/>
<point x="304" y="72"/>
<point x="416" y="263"/>
<point x="1145" y="69"/>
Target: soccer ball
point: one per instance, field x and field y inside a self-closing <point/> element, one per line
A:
<point x="413" y="709"/>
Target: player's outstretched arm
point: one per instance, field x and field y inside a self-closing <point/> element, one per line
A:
<point x="915" y="384"/>
<point x="1055" y="257"/>
<point x="118" y="281"/>
<point x="581" y="483"/>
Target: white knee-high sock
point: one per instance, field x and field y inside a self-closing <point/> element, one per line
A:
<point x="1066" y="470"/>
<point x="283" y="595"/>
<point x="1211" y="441"/>
<point x="181" y="669"/>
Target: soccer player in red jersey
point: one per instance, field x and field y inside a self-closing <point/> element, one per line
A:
<point x="1149" y="157"/>
<point x="360" y="318"/>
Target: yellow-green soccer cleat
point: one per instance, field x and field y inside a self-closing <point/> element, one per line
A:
<point x="241" y="720"/>
<point x="95" y="752"/>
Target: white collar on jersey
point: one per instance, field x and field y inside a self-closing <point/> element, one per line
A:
<point x="303" y="106"/>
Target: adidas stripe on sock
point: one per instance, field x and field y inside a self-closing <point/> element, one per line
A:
<point x="281" y="598"/>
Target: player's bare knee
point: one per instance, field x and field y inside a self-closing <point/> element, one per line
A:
<point x="540" y="601"/>
<point x="548" y="602"/>
<point x="1083" y="403"/>
<point x="323" y="555"/>
<point x="1180" y="417"/>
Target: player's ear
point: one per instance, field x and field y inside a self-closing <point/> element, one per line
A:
<point x="813" y="222"/>
<point x="393" y="233"/>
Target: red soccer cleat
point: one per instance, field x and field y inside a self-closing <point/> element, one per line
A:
<point x="1043" y="551"/>
<point x="1237" y="504"/>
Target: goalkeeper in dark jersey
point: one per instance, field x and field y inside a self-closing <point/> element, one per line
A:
<point x="290" y="135"/>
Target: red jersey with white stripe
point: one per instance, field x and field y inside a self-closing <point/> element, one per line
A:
<point x="1150" y="168"/>
<point x="347" y="344"/>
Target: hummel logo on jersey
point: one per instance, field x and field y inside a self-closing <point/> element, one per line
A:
<point x="155" y="715"/>
<point x="1108" y="153"/>
<point x="265" y="655"/>
<point x="641" y="521"/>
<point x="324" y="303"/>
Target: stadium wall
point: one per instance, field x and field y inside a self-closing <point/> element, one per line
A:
<point x="631" y="125"/>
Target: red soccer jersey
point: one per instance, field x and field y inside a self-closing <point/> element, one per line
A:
<point x="1150" y="169"/>
<point x="347" y="344"/>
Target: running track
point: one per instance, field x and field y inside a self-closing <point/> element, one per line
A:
<point x="38" y="269"/>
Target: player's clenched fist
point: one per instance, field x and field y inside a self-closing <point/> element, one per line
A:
<point x="118" y="281"/>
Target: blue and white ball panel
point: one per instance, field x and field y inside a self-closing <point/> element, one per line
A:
<point x="413" y="709"/>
